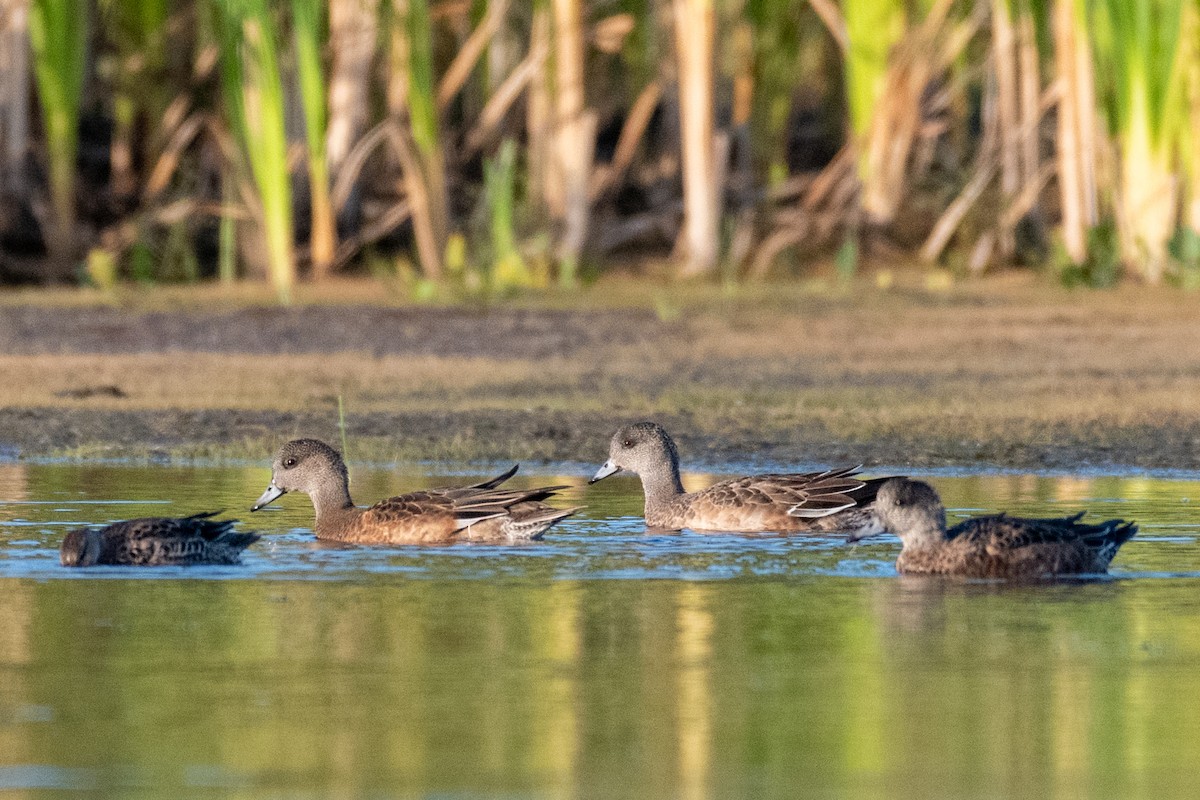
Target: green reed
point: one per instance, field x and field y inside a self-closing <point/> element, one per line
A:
<point x="59" y="31"/>
<point x="253" y="88"/>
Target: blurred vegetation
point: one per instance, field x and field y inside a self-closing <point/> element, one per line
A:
<point x="493" y="145"/>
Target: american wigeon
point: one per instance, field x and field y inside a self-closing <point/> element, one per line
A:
<point x="997" y="546"/>
<point x="834" y="500"/>
<point x="157" y="541"/>
<point x="482" y="512"/>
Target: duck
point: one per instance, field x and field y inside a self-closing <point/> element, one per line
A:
<point x="157" y="541"/>
<point x="996" y="546"/>
<point x="481" y="512"/>
<point x="808" y="502"/>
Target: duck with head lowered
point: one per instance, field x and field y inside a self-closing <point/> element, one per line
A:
<point x="807" y="502"/>
<point x="481" y="512"/>
<point x="156" y="542"/>
<point x="996" y="546"/>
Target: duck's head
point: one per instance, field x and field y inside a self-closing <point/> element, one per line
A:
<point x="80" y="548"/>
<point x="911" y="510"/>
<point x="303" y="465"/>
<point x="642" y="448"/>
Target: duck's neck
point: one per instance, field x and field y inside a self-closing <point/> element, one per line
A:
<point x="661" y="485"/>
<point x="931" y="533"/>
<point x="332" y="504"/>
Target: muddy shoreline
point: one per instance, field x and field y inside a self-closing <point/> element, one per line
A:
<point x="1010" y="379"/>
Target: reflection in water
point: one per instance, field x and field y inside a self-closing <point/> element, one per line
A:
<point x="606" y="661"/>
<point x="695" y="707"/>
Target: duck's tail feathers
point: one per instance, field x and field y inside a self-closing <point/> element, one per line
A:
<point x="496" y="481"/>
<point x="240" y="541"/>
<point x="1109" y="537"/>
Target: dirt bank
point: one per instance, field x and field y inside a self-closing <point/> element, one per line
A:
<point x="1008" y="373"/>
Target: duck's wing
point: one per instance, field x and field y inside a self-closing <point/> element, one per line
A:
<point x="1002" y="532"/>
<point x="172" y="540"/>
<point x="462" y="506"/>
<point x="807" y="494"/>
<point x="197" y="526"/>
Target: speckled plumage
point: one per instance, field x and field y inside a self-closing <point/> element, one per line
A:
<point x="481" y="512"/>
<point x="996" y="546"/>
<point x="157" y="541"/>
<point x="814" y="502"/>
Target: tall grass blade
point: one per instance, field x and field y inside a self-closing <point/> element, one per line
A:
<point x="1140" y="42"/>
<point x="254" y="96"/>
<point x="873" y="29"/>
<point x="508" y="267"/>
<point x="58" y="31"/>
<point x="308" y="35"/>
<point x="426" y="135"/>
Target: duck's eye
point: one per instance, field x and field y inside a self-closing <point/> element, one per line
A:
<point x="289" y="462"/>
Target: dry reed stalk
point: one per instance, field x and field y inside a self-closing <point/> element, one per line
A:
<point x="1008" y="118"/>
<point x="574" y="134"/>
<point x="897" y="119"/>
<point x="14" y="94"/>
<point x="352" y="36"/>
<point x="694" y="22"/>
<point x="1075" y="144"/>
<point x="498" y="105"/>
<point x="470" y="52"/>
<point x="540" y="168"/>
<point x="636" y="124"/>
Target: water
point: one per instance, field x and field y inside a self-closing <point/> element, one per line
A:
<point x="603" y="662"/>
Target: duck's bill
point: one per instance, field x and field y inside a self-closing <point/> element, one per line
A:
<point x="272" y="494"/>
<point x="608" y="469"/>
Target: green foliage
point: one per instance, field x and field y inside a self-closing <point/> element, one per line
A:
<point x="873" y="27"/>
<point x="1102" y="269"/>
<point x="308" y="30"/>
<point x="422" y="93"/>
<point x="1137" y="43"/>
<point x="254" y="100"/>
<point x="58" y="31"/>
<point x="1185" y="251"/>
<point x="509" y="269"/>
<point x="141" y="261"/>
<point x="846" y="260"/>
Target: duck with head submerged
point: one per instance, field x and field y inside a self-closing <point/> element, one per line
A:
<point x="997" y="546"/>
<point x="809" y="502"/>
<point x="157" y="541"/>
<point x="481" y="512"/>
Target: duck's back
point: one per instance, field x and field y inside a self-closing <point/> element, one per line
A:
<point x="1014" y="547"/>
<point x="444" y="515"/>
<point x="165" y="541"/>
<point x="413" y="518"/>
<point x="780" y="502"/>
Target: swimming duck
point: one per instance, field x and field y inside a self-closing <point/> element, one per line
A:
<point x="157" y="541"/>
<point x="997" y="546"/>
<point x="481" y="512"/>
<point x="833" y="500"/>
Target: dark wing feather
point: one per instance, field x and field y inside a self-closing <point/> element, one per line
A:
<point x="1004" y="532"/>
<point x="169" y="540"/>
<point x="496" y="481"/>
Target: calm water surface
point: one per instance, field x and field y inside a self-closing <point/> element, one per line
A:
<point x="603" y="662"/>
